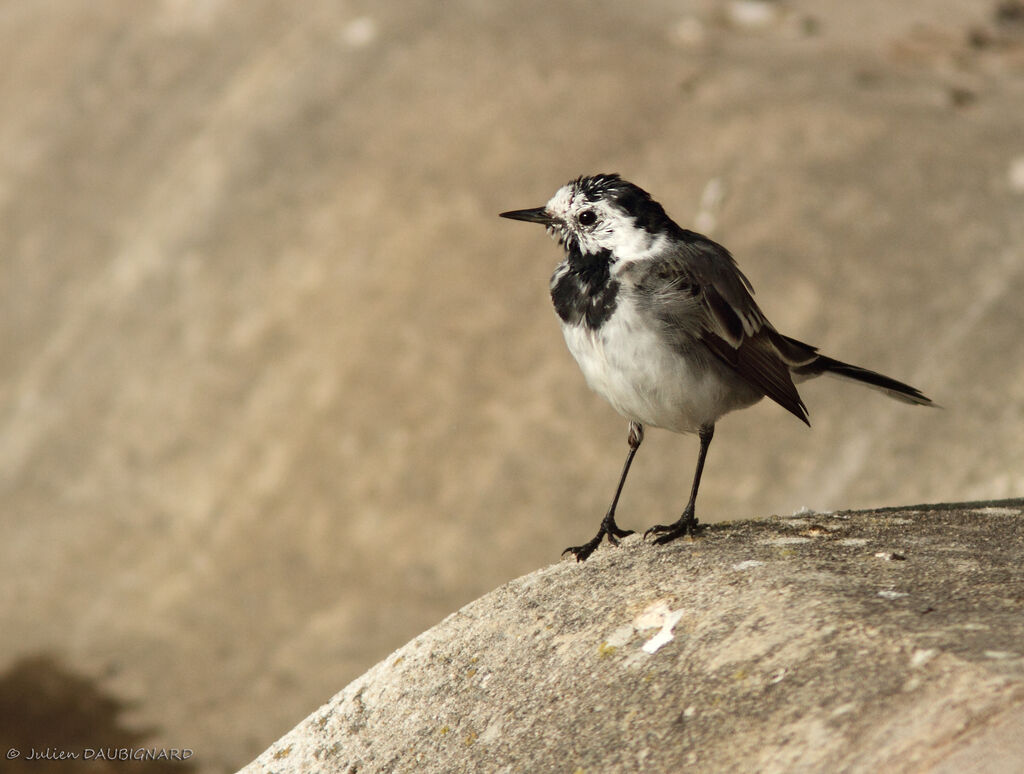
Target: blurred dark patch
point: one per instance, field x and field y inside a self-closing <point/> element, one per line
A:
<point x="46" y="708"/>
<point x="960" y="96"/>
<point x="1010" y="13"/>
<point x="1006" y="29"/>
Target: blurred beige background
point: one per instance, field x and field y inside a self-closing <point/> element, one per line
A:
<point x="279" y="390"/>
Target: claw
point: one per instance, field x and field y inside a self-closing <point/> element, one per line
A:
<point x="584" y="551"/>
<point x="608" y="528"/>
<point x="687" y="525"/>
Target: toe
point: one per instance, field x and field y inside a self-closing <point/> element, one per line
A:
<point x="657" y="529"/>
<point x="615" y="535"/>
<point x="668" y="536"/>
<point x="581" y="552"/>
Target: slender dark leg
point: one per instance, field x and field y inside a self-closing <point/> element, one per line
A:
<point x="608" y="525"/>
<point x="687" y="523"/>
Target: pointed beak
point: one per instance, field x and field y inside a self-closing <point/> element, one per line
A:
<point x="536" y="215"/>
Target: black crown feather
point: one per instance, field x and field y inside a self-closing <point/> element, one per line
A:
<point x="629" y="198"/>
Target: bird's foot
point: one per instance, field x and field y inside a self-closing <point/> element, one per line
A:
<point x="686" y="525"/>
<point x="608" y="528"/>
<point x="611" y="529"/>
<point x="584" y="551"/>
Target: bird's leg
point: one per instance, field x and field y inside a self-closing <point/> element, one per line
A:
<point x="608" y="525"/>
<point x="635" y="438"/>
<point x="687" y="523"/>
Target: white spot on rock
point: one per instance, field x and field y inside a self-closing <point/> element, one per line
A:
<point x="995" y="511"/>
<point x="493" y="732"/>
<point x="747" y="564"/>
<point x="922" y="656"/>
<point x="658" y="614"/>
<point x="892" y="594"/>
<point x="890" y="556"/>
<point x="844" y="709"/>
<point x="1000" y="654"/>
<point x="786" y="541"/>
<point x="620" y="636"/>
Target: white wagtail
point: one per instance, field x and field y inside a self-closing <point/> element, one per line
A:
<point x="664" y="326"/>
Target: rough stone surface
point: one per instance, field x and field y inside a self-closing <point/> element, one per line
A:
<point x="279" y="390"/>
<point x="888" y="640"/>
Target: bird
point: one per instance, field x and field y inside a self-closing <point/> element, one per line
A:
<point x="664" y="326"/>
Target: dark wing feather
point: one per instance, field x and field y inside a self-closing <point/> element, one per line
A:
<point x="728" y="294"/>
<point x="700" y="293"/>
<point x="757" y="361"/>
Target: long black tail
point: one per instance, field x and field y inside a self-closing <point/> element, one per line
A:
<point x="816" y="364"/>
<point x="888" y="385"/>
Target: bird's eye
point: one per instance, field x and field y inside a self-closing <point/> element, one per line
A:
<point x="587" y="218"/>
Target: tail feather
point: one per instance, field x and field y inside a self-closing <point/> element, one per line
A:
<point x="891" y="387"/>
<point x="804" y="360"/>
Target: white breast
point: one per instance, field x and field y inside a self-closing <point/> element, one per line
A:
<point x="630" y="365"/>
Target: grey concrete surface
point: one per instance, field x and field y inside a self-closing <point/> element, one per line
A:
<point x="279" y="390"/>
<point x="856" y="642"/>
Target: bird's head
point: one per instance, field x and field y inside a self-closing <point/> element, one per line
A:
<point x="603" y="213"/>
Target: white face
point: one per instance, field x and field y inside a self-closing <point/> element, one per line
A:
<point x="597" y="225"/>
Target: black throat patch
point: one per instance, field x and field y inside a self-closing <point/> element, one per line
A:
<point x="586" y="292"/>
